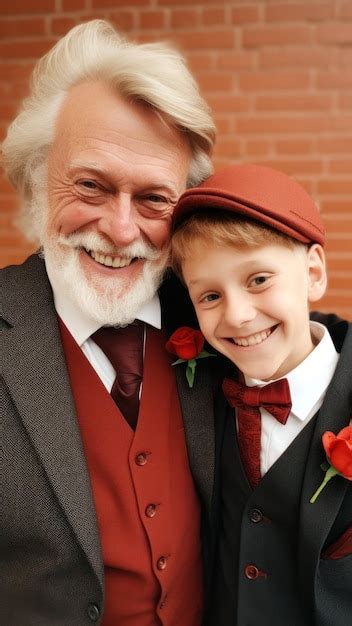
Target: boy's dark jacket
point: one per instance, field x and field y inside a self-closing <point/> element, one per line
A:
<point x="31" y="350"/>
<point x="299" y="587"/>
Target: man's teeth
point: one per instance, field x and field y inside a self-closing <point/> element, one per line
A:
<point x="109" y="261"/>
<point x="252" y="340"/>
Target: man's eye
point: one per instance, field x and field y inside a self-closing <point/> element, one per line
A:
<point x="89" y="184"/>
<point x="155" y="198"/>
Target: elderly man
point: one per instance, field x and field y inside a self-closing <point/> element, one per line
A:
<point x="100" y="520"/>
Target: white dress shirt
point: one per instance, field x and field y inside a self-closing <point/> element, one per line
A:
<point x="308" y="384"/>
<point x="81" y="327"/>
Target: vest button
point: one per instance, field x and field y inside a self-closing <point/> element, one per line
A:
<point x="141" y="458"/>
<point x="251" y="572"/>
<point x="255" y="515"/>
<point x="161" y="562"/>
<point x="150" y="510"/>
<point x="93" y="612"/>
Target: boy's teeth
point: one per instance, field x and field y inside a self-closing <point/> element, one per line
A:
<point x="252" y="340"/>
<point x="109" y="261"/>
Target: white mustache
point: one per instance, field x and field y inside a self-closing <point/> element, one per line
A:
<point x="94" y="241"/>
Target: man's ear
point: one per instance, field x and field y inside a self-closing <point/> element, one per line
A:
<point x="317" y="279"/>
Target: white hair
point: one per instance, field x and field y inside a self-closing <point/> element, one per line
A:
<point x="153" y="73"/>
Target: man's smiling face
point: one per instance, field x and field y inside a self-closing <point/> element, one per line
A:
<point x="115" y="172"/>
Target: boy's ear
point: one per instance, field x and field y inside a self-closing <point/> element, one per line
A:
<point x="317" y="279"/>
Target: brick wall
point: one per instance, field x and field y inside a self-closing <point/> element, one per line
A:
<point x="278" y="75"/>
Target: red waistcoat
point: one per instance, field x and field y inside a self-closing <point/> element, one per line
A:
<point x="147" y="510"/>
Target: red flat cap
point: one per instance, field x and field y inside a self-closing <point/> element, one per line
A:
<point x="258" y="192"/>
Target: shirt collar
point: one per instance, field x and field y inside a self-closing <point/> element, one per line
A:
<point x="310" y="379"/>
<point x="81" y="326"/>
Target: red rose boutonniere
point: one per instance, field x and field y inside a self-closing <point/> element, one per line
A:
<point x="187" y="343"/>
<point x="338" y="450"/>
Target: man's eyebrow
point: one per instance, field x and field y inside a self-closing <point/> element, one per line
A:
<point x="88" y="165"/>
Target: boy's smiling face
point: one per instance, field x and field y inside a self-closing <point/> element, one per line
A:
<point x="252" y="303"/>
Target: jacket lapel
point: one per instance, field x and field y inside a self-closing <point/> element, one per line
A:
<point x="316" y="519"/>
<point x="34" y="369"/>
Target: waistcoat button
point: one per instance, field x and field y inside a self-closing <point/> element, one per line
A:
<point x="141" y="458"/>
<point x="93" y="612"/>
<point x="161" y="562"/>
<point x="251" y="572"/>
<point x="255" y="515"/>
<point x="150" y="510"/>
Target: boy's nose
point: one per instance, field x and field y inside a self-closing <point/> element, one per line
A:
<point x="238" y="312"/>
<point x="119" y="222"/>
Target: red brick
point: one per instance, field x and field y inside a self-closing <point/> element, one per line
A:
<point x="341" y="122"/>
<point x="273" y="35"/>
<point x="25" y="49"/>
<point x="294" y="146"/>
<point x="213" y="17"/>
<point x="338" y="187"/>
<point x="339" y="33"/>
<point x="182" y="2"/>
<point x="282" y="124"/>
<point x="198" y="61"/>
<point x="341" y="166"/>
<point x="8" y="110"/>
<point x="336" y="264"/>
<point x="291" y="12"/>
<point x="123" y="20"/>
<point x="61" y="25"/>
<point x="228" y="103"/>
<point x="73" y="5"/>
<point x="216" y="81"/>
<point x="344" y="10"/>
<point x="345" y="101"/>
<point x="184" y="18"/>
<point x="245" y="14"/>
<point x="15" y="71"/>
<point x="295" y="166"/>
<point x="228" y="146"/>
<point x="17" y="7"/>
<point x="22" y="27"/>
<point x="297" y="57"/>
<point x="214" y="39"/>
<point x="275" y="80"/>
<point x="293" y="102"/>
<point x="258" y="147"/>
<point x="335" y="79"/>
<point x="223" y="124"/>
<point x="152" y="19"/>
<point x="336" y="205"/>
<point x="108" y="4"/>
<point x="236" y="60"/>
<point x="330" y="145"/>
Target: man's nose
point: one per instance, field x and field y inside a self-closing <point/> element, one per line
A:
<point x="119" y="222"/>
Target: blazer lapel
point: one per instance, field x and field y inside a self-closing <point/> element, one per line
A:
<point x="197" y="405"/>
<point x="34" y="369"/>
<point x="316" y="519"/>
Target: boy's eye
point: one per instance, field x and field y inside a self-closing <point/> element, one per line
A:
<point x="210" y="297"/>
<point x="258" y="280"/>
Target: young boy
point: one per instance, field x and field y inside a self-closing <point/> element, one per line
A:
<point x="248" y="244"/>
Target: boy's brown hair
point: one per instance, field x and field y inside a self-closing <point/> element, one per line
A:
<point x="222" y="228"/>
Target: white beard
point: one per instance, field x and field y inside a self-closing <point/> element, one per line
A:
<point x="110" y="301"/>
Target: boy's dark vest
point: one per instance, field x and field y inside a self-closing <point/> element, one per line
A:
<point x="256" y="576"/>
<point x="146" y="505"/>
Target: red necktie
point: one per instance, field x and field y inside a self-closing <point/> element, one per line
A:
<point x="124" y="349"/>
<point x="275" y="398"/>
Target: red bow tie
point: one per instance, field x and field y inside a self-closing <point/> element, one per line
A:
<point x="275" y="398"/>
